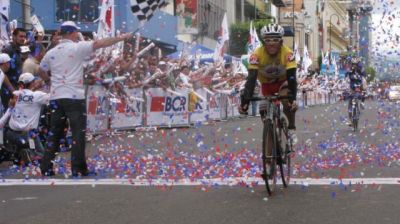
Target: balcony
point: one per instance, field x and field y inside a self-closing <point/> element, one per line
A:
<point x="278" y="3"/>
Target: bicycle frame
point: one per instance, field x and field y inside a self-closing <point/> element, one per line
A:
<point x="355" y="109"/>
<point x="273" y="126"/>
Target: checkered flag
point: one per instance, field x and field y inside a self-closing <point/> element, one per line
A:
<point x="144" y="9"/>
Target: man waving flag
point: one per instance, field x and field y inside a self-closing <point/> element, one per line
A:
<point x="144" y="9"/>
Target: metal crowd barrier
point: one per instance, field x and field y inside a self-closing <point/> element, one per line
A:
<point x="155" y="107"/>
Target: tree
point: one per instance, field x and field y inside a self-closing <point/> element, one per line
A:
<point x="371" y="73"/>
<point x="239" y="34"/>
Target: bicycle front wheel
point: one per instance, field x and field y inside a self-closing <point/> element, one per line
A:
<point x="269" y="157"/>
<point x="355" y="116"/>
<point x="285" y="153"/>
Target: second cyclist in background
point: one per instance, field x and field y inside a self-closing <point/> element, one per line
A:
<point x="357" y="81"/>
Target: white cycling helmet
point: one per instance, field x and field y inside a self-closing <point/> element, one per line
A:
<point x="272" y="30"/>
<point x="355" y="60"/>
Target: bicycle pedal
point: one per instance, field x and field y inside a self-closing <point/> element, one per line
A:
<point x="263" y="176"/>
<point x="288" y="152"/>
<point x="270" y="177"/>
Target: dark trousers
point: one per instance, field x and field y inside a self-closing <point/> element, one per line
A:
<point x="75" y="111"/>
<point x="5" y="97"/>
<point x="20" y="140"/>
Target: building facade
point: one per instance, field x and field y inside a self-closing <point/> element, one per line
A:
<point x="336" y="25"/>
<point x="161" y="28"/>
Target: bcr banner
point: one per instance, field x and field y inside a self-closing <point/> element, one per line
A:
<point x="214" y="106"/>
<point x="224" y="106"/>
<point x="97" y="109"/>
<point x="234" y="101"/>
<point x="128" y="114"/>
<point x="165" y="108"/>
<point x="197" y="107"/>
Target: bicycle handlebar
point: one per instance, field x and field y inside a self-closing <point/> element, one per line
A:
<point x="270" y="98"/>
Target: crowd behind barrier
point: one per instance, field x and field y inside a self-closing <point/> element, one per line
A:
<point x="134" y="85"/>
<point x="164" y="109"/>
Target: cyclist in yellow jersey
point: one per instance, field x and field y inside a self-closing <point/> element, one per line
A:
<point x="274" y="65"/>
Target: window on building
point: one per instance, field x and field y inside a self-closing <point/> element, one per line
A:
<point x="238" y="12"/>
<point x="77" y="10"/>
<point x="306" y="40"/>
<point x="210" y="14"/>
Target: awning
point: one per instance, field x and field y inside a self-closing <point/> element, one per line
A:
<point x="206" y="54"/>
<point x="278" y="3"/>
<point x="288" y="31"/>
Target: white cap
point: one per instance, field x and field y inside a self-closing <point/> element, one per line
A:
<point x="25" y="49"/>
<point x="26" y="78"/>
<point x="162" y="63"/>
<point x="69" y="26"/>
<point x="4" y="58"/>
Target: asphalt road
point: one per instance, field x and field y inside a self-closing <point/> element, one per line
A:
<point x="327" y="149"/>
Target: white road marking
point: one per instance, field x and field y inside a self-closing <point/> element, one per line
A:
<point x="24" y="199"/>
<point x="187" y="182"/>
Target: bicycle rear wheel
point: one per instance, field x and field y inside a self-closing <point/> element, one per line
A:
<point x="285" y="151"/>
<point x="355" y="118"/>
<point x="269" y="159"/>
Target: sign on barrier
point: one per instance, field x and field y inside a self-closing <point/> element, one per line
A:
<point x="214" y="106"/>
<point x="97" y="109"/>
<point x="166" y="109"/>
<point x="224" y="106"/>
<point x="311" y="98"/>
<point x="198" y="110"/>
<point x="127" y="114"/>
<point x="170" y="108"/>
<point x="234" y="102"/>
<point x="254" y="110"/>
<point x="299" y="99"/>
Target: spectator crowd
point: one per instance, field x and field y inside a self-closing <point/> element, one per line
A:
<point x="131" y="62"/>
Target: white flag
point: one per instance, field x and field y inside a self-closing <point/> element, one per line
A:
<point x="325" y="59"/>
<point x="307" y="61"/>
<point x="297" y="53"/>
<point x="223" y="36"/>
<point x="335" y="66"/>
<point x="253" y="42"/>
<point x="37" y="24"/>
<point x="4" y="21"/>
<point x="106" y="26"/>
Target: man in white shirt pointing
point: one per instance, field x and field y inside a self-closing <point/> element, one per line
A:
<point x="67" y="98"/>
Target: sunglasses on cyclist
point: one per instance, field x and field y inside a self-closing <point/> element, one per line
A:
<point x="272" y="40"/>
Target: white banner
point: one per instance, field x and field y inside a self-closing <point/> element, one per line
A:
<point x="166" y="109"/>
<point x="214" y="106"/>
<point x="199" y="112"/>
<point x="128" y="114"/>
<point x="234" y="102"/>
<point x="310" y="98"/>
<point x="299" y="99"/>
<point x="224" y="106"/>
<point x="37" y="25"/>
<point x="97" y="109"/>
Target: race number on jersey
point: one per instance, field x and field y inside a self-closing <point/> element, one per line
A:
<point x="253" y="59"/>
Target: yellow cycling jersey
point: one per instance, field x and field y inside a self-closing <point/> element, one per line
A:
<point x="272" y="69"/>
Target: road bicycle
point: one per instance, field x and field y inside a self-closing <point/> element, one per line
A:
<point x="355" y="108"/>
<point x="275" y="138"/>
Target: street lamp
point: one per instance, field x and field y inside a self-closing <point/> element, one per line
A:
<point x="330" y="30"/>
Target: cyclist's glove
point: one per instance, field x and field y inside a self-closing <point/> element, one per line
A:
<point x="244" y="102"/>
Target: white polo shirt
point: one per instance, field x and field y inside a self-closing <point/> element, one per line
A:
<point x="65" y="63"/>
<point x="2" y="76"/>
<point x="26" y="112"/>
